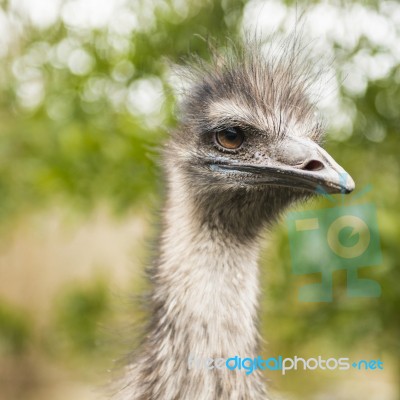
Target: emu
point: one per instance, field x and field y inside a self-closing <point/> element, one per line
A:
<point x="248" y="145"/>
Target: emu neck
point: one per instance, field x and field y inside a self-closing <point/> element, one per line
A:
<point x="208" y="281"/>
<point x="204" y="305"/>
<point x="211" y="285"/>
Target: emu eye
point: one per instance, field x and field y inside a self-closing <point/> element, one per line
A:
<point x="231" y="138"/>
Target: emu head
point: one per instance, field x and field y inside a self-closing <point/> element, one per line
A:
<point x="249" y="140"/>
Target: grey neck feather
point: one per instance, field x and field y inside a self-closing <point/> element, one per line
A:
<point x="204" y="303"/>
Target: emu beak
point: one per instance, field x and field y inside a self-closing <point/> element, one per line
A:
<point x="299" y="163"/>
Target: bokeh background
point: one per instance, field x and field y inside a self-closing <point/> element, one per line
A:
<point x="87" y="96"/>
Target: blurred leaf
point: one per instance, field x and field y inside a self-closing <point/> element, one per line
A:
<point x="79" y="313"/>
<point x="15" y="330"/>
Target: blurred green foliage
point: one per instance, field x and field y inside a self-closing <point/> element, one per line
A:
<point x="15" y="330"/>
<point x="67" y="127"/>
<point x="79" y="314"/>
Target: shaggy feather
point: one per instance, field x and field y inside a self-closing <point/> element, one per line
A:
<point x="205" y="280"/>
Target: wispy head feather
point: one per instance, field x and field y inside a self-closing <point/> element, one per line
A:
<point x="271" y="85"/>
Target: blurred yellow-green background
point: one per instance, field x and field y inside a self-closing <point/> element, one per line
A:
<point x="87" y="96"/>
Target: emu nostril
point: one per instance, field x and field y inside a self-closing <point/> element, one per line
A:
<point x="313" y="165"/>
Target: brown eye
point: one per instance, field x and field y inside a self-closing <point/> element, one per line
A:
<point x="231" y="138"/>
